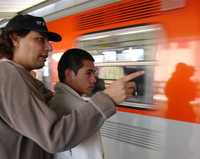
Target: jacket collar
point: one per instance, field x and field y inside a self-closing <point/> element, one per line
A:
<point x="64" y="88"/>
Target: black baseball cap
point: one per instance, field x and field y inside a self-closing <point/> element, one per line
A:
<point x="32" y="23"/>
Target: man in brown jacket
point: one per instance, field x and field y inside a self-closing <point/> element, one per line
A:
<point x="28" y="128"/>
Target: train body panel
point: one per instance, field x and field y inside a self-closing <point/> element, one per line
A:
<point x="169" y="126"/>
<point x="136" y="136"/>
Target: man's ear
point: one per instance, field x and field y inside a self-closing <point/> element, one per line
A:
<point x="69" y="74"/>
<point x="15" y="40"/>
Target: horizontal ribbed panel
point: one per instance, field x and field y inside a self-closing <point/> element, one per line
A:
<point x="142" y="137"/>
<point x="119" y="12"/>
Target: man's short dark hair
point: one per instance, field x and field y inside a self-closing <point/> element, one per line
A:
<point x="72" y="59"/>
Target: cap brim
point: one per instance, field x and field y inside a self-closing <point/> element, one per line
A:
<point x="53" y="36"/>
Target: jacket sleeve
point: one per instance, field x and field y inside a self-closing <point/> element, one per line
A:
<point x="27" y="114"/>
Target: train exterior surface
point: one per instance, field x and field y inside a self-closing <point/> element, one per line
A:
<point x="161" y="37"/>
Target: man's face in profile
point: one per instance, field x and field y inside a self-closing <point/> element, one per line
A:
<point x="84" y="81"/>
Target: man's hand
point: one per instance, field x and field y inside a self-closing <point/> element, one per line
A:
<point x="121" y="89"/>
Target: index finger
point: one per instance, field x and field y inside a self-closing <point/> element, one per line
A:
<point x="132" y="76"/>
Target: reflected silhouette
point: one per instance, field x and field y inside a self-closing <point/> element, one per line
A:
<point x="180" y="91"/>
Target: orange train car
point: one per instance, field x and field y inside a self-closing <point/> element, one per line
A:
<point x="161" y="37"/>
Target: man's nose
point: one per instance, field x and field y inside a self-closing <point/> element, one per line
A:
<point x="93" y="79"/>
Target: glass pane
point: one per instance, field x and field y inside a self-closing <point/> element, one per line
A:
<point x="120" y="52"/>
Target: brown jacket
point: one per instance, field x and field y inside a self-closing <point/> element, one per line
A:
<point x="29" y="129"/>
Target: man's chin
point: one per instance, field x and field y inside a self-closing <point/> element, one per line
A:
<point x="89" y="92"/>
<point x="39" y="66"/>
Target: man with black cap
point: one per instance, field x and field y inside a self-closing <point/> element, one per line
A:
<point x="28" y="128"/>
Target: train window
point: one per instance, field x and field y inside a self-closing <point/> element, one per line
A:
<point x="120" y="52"/>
